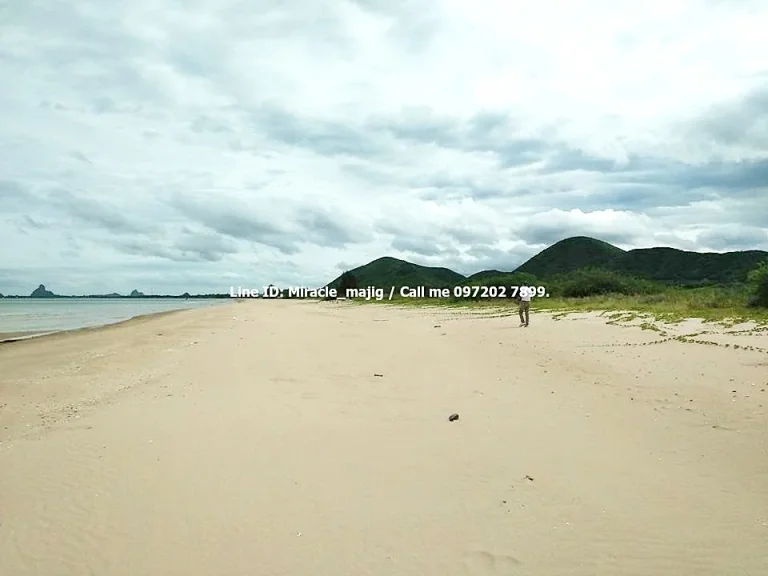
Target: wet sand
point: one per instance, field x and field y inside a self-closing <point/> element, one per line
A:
<point x="295" y="438"/>
<point x="13" y="336"/>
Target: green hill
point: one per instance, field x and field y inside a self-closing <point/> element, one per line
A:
<point x="386" y="272"/>
<point x="673" y="266"/>
<point x="570" y="258"/>
<point x="572" y="254"/>
<point x="667" y="265"/>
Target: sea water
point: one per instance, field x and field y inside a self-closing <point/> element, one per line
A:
<point x="55" y="314"/>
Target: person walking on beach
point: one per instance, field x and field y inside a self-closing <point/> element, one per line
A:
<point x="524" y="305"/>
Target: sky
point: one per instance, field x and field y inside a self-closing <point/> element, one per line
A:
<point x="190" y="145"/>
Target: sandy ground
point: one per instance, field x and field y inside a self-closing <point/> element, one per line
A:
<point x="295" y="438"/>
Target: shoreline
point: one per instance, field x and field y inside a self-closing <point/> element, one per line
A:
<point x="14" y="337"/>
<point x="23" y="336"/>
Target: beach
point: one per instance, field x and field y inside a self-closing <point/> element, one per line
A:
<point x="294" y="437"/>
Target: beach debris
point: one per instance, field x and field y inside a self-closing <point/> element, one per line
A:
<point x="453" y="417"/>
<point x="529" y="478"/>
<point x="379" y="375"/>
<point x="437" y="326"/>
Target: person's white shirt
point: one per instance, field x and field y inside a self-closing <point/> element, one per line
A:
<point x="525" y="294"/>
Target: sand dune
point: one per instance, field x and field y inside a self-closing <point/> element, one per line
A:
<point x="257" y="439"/>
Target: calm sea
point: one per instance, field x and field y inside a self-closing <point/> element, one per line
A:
<point x="51" y="315"/>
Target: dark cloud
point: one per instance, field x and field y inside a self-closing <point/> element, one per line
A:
<point x="436" y="235"/>
<point x="484" y="132"/>
<point x="564" y="159"/>
<point x="28" y="225"/>
<point x="734" y="237"/>
<point x="470" y="235"/>
<point x="323" y="229"/>
<point x="423" y="246"/>
<point x="105" y="57"/>
<point x="189" y="247"/>
<point x="236" y="222"/>
<point x="322" y="137"/>
<point x="303" y="225"/>
<point x="728" y="178"/>
<point x="731" y="178"/>
<point x="13" y="194"/>
<point x="740" y="122"/>
<point x="81" y="157"/>
<point x="152" y="250"/>
<point x="97" y="214"/>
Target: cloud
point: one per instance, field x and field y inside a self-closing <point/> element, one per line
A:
<point x="729" y="236"/>
<point x="189" y="145"/>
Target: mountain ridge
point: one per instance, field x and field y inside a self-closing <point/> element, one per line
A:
<point x="659" y="264"/>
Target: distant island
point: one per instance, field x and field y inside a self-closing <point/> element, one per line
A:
<point x="42" y="292"/>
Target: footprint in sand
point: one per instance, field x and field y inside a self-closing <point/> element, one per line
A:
<point x="483" y="563"/>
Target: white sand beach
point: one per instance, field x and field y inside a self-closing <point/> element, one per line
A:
<point x="295" y="438"/>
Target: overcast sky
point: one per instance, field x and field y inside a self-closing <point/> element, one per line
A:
<point x="173" y="145"/>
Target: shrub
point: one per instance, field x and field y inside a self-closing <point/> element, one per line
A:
<point x="758" y="286"/>
<point x="346" y="282"/>
<point x="598" y="282"/>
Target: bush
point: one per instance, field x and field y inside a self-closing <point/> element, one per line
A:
<point x="598" y="282"/>
<point x="346" y="282"/>
<point x="758" y="286"/>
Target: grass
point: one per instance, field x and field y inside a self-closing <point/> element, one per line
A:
<point x="727" y="305"/>
<point x="711" y="304"/>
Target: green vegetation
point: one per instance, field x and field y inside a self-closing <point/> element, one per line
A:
<point x="712" y="303"/>
<point x="689" y="268"/>
<point x="667" y="265"/>
<point x="387" y="272"/>
<point x="570" y="255"/>
<point x="582" y="274"/>
<point x="347" y="281"/>
<point x="758" y="286"/>
<point x="599" y="282"/>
